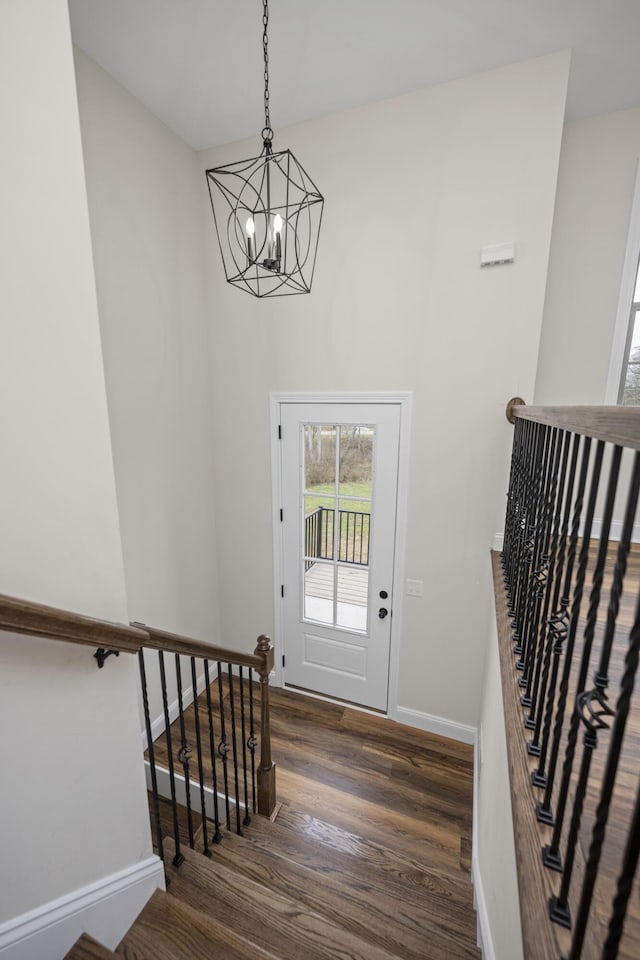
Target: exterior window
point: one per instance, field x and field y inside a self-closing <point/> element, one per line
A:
<point x="630" y="386"/>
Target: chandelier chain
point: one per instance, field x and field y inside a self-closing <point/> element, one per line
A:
<point x="267" y="133"/>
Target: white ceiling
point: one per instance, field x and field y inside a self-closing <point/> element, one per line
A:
<point x="197" y="64"/>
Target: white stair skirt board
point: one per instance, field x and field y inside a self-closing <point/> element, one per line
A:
<point x="432" y="724"/>
<point x="164" y="790"/>
<point x="105" y="910"/>
<point x="483" y="937"/>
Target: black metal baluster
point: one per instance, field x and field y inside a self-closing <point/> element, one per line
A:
<point x="196" y="717"/>
<point x="544" y="576"/>
<point x="252" y="742"/>
<point x="512" y="520"/>
<point x="521" y="538"/>
<point x="535" y="547"/>
<point x="528" y="543"/>
<point x="514" y="506"/>
<point x="184" y="753"/>
<point x="247" y="815"/>
<point x="599" y="695"/>
<point x="551" y="852"/>
<point x="217" y="837"/>
<point x="511" y="509"/>
<point x="552" y="597"/>
<point x="223" y="747"/>
<point x="151" y="752"/>
<point x="319" y="540"/>
<point x="559" y="622"/>
<point x="591" y="717"/>
<point x="234" y="746"/>
<point x="524" y="507"/>
<point x="629" y="863"/>
<point x="178" y="858"/>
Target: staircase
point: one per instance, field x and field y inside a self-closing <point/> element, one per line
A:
<point x="340" y="874"/>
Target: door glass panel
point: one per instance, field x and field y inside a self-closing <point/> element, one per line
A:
<point x="319" y="592"/>
<point x="337" y="523"/>
<point x="320" y="458"/>
<point x="318" y="527"/>
<point x="352" y="594"/>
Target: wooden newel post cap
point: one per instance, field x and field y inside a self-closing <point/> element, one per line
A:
<point x="264" y="643"/>
<point x="514" y="402"/>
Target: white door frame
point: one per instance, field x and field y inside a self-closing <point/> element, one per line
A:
<point x="404" y="401"/>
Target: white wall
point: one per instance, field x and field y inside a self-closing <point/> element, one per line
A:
<point x="71" y="758"/>
<point x="414" y="186"/>
<point x="145" y="204"/>
<point x="598" y="165"/>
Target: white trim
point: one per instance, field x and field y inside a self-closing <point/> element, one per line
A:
<point x="405" y="400"/>
<point x="615" y="531"/>
<point x="498" y="542"/>
<point x="483" y="937"/>
<point x="625" y="299"/>
<point x="104" y="909"/>
<point x="485" y="941"/>
<point x="432" y="724"/>
<point x="163" y="781"/>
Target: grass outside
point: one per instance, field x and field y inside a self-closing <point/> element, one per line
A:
<point x="316" y="496"/>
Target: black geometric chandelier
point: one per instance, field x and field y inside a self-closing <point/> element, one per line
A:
<point x="267" y="213"/>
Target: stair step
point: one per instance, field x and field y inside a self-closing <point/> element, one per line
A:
<point x="169" y="929"/>
<point x="277" y="922"/>
<point x="86" y="948"/>
<point x="429" y="929"/>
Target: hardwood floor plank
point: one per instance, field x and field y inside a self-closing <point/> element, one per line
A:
<point x="275" y="921"/>
<point x="86" y="948"/>
<point x="386" y="920"/>
<point x="169" y="929"/>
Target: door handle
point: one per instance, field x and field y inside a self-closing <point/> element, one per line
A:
<point x="382" y="612"/>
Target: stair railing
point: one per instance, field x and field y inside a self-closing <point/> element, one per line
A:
<point x="219" y="699"/>
<point x="568" y="608"/>
<point x="211" y="716"/>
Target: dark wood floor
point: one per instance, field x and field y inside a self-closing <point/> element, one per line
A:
<point x="372" y="843"/>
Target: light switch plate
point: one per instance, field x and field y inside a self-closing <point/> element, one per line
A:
<point x="415" y="588"/>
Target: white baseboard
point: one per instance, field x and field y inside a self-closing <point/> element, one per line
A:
<point x="432" y="724"/>
<point x="163" y="781"/>
<point x="105" y="910"/>
<point x="615" y="532"/>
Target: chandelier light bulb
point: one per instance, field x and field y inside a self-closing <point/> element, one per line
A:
<point x="277" y="229"/>
<point x="251" y="243"/>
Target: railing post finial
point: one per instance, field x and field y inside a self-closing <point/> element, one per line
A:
<point x="514" y="402"/>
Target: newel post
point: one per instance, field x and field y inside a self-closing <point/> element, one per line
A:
<point x="267" y="768"/>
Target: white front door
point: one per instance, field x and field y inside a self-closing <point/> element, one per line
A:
<point x="339" y="492"/>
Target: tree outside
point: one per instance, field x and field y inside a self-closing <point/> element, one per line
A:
<point x="631" y="394"/>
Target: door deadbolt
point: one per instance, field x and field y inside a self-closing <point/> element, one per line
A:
<point x="382" y="612"/>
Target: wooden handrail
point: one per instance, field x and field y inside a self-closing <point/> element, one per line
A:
<point x="612" y="424"/>
<point x="188" y="647"/>
<point x="39" y="620"/>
